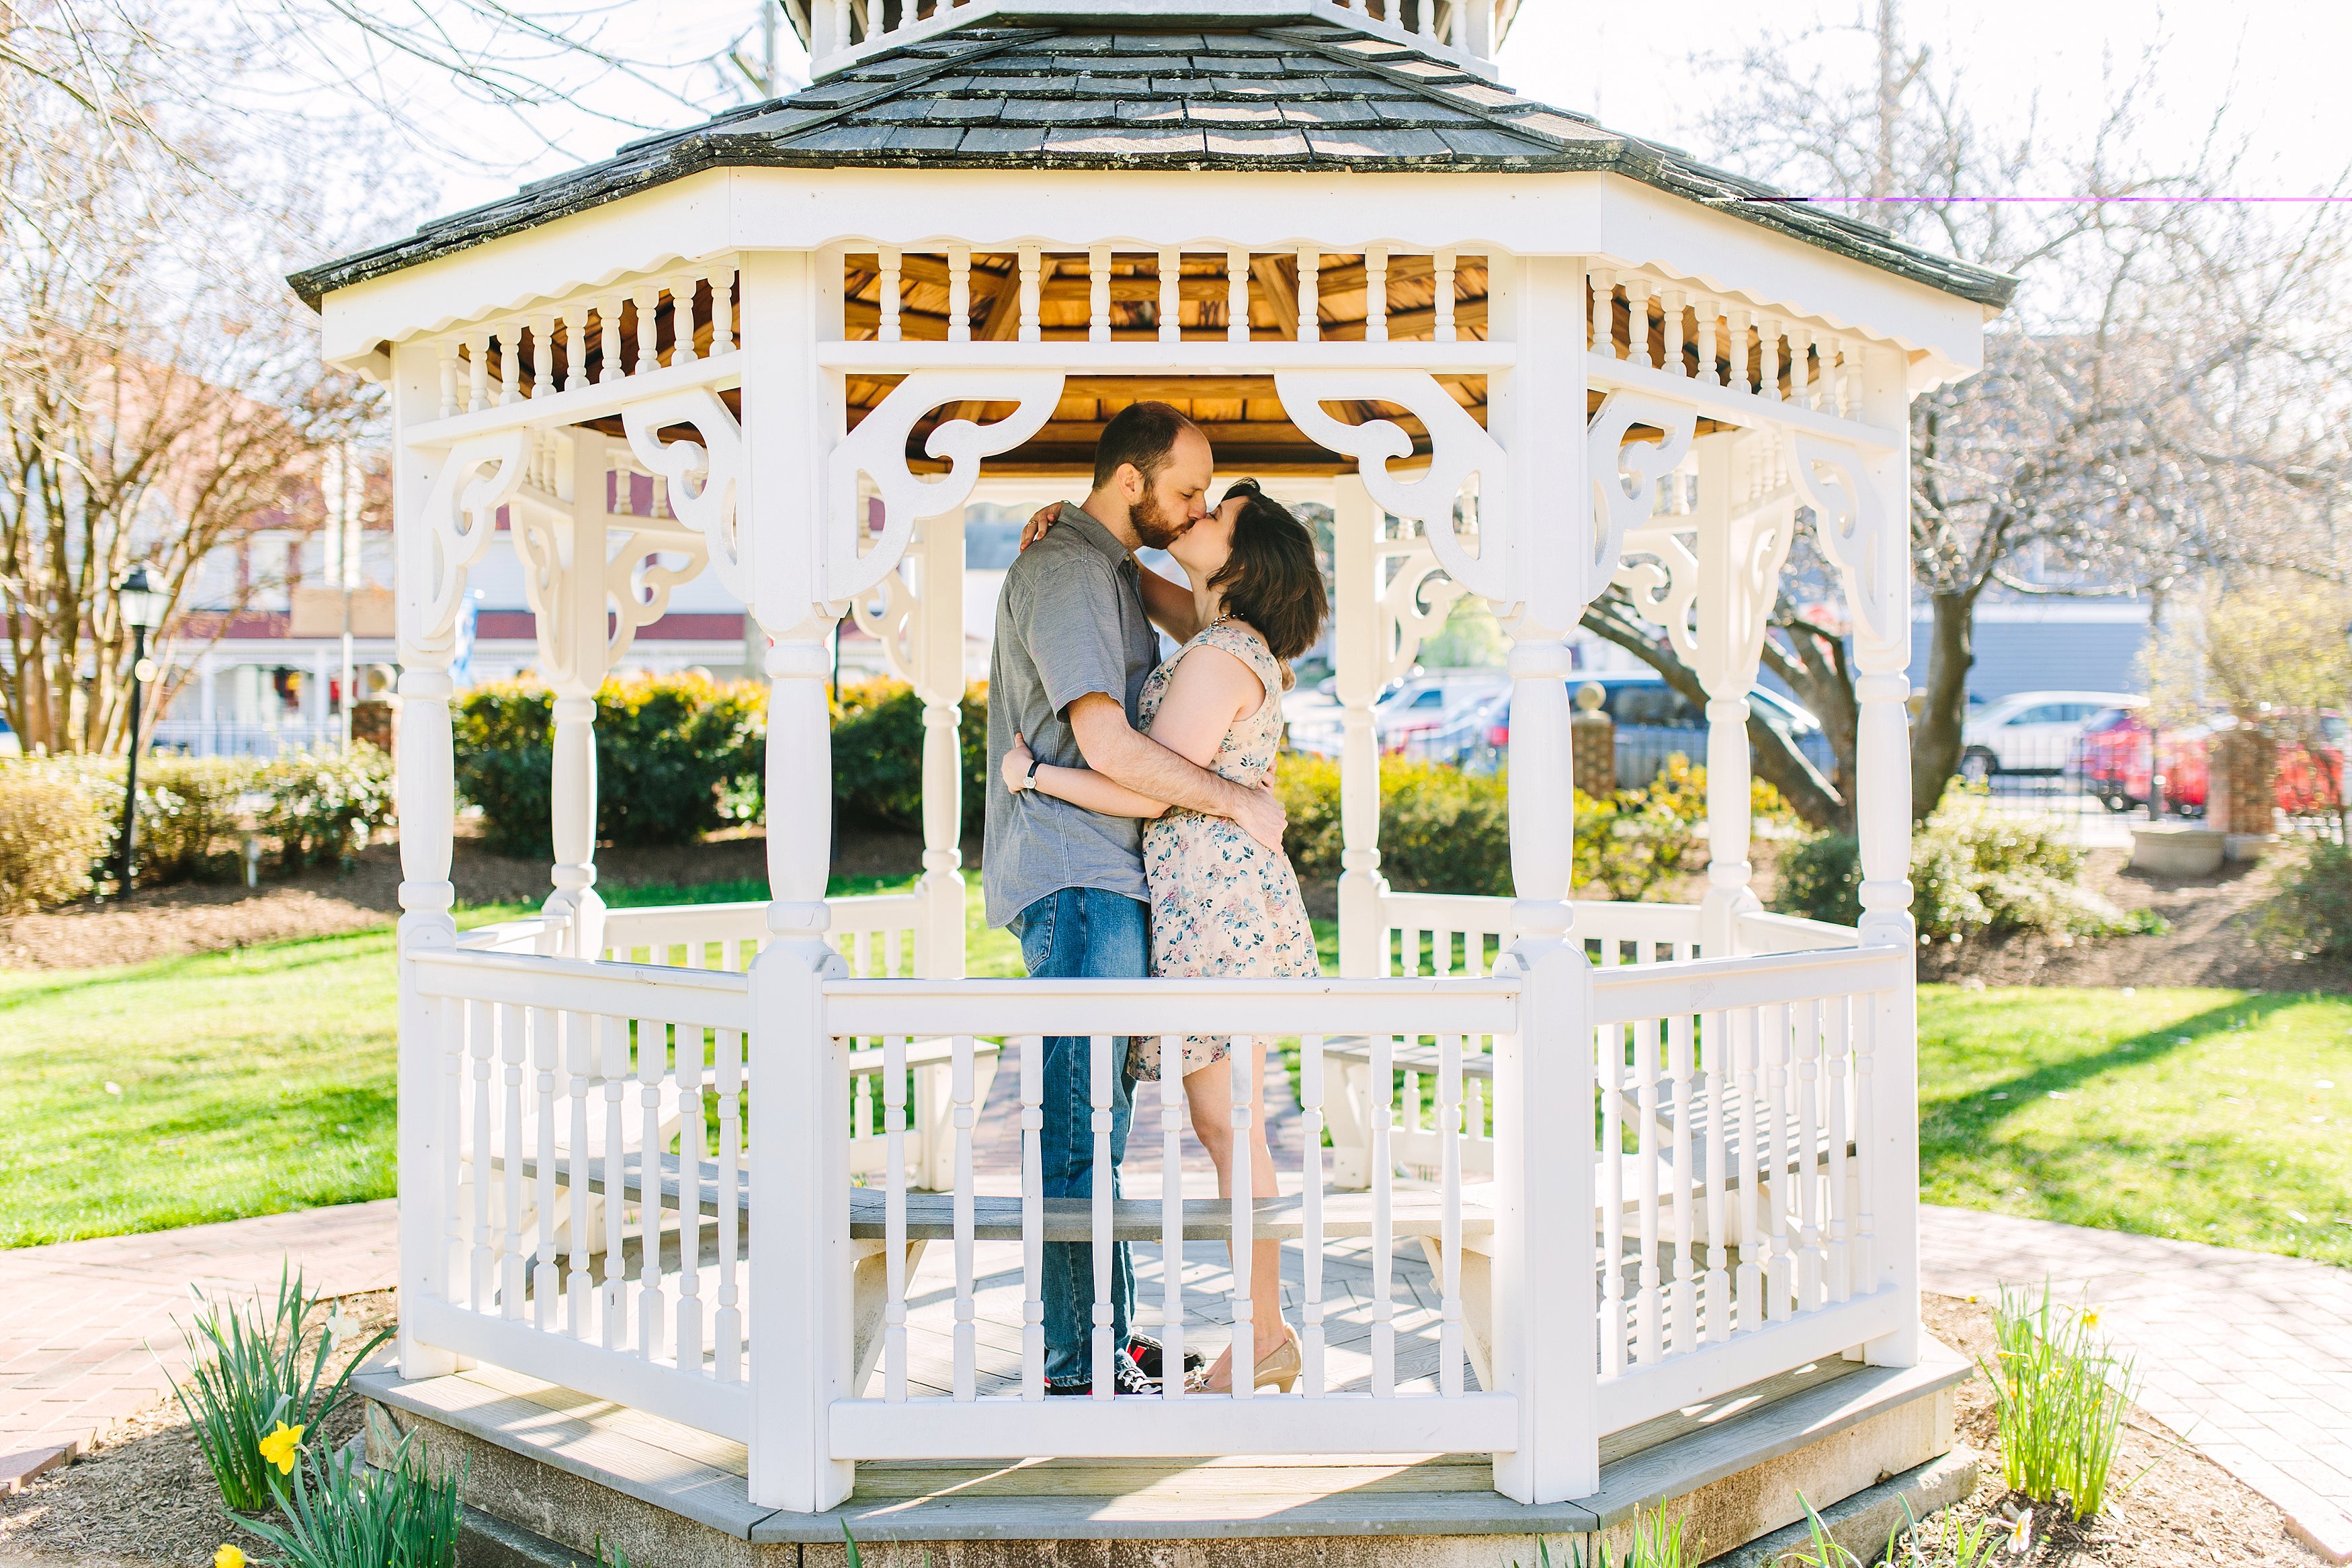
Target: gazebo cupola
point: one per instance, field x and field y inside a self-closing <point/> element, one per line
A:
<point x="1522" y="356"/>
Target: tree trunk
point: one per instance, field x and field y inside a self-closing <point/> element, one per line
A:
<point x="1936" y="734"/>
<point x="1777" y="760"/>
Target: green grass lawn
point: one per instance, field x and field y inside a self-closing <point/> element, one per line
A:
<point x="194" y="1089"/>
<point x="258" y="1081"/>
<point x="224" y="1085"/>
<point x="2207" y="1116"/>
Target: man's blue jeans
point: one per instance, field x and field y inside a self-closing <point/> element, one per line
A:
<point x="1082" y="933"/>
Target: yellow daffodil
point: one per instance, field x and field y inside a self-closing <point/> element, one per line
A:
<point x="280" y="1446"/>
<point x="228" y="1557"/>
<point x="2091" y="1317"/>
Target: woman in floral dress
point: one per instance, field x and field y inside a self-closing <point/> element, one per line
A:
<point x="1221" y="902"/>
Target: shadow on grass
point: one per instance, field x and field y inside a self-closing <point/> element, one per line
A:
<point x="1975" y="1108"/>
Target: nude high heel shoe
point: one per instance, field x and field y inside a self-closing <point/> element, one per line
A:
<point x="1282" y="1365"/>
<point x="1279" y="1367"/>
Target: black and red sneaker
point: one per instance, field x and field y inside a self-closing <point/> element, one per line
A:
<point x="1147" y="1352"/>
<point x="1128" y="1379"/>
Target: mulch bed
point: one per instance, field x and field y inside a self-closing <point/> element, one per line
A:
<point x="2214" y="939"/>
<point x="206" y="917"/>
<point x="145" y="1496"/>
<point x="2172" y="1506"/>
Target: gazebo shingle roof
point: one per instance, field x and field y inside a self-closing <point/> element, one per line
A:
<point x="1291" y="96"/>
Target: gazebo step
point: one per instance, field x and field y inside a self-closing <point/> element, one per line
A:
<point x="576" y="1468"/>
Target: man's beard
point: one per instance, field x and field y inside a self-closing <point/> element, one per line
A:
<point x="1153" y="525"/>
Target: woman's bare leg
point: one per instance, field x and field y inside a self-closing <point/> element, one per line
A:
<point x="1210" y="1095"/>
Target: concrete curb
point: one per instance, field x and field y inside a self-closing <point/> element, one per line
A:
<point x="1862" y="1523"/>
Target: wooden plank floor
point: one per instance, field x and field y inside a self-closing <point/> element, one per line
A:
<point x="1207" y="1280"/>
<point x="1207" y="1271"/>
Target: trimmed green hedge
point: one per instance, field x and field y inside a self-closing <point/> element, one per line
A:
<point x="877" y="754"/>
<point x="676" y="756"/>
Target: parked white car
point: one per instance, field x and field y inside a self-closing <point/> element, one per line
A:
<point x="2030" y="732"/>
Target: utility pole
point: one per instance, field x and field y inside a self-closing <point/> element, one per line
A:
<point x="1890" y="96"/>
<point x="763" y="76"/>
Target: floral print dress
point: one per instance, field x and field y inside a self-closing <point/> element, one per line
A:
<point x="1221" y="902"/>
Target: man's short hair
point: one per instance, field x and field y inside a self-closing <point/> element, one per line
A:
<point x="1142" y="434"/>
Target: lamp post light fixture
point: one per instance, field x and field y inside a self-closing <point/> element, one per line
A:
<point x="142" y="608"/>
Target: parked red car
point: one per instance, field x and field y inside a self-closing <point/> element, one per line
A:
<point x="2112" y="758"/>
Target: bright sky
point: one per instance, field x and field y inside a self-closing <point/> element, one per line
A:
<point x="2276" y="63"/>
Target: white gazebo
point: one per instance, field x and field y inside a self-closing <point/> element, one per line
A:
<point x="1650" y="1155"/>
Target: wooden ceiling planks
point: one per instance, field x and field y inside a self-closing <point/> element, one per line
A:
<point x="1244" y="418"/>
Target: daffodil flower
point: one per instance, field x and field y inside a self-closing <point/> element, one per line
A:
<point x="2091" y="1317"/>
<point x="338" y="1327"/>
<point x="228" y="1557"/>
<point x="280" y="1446"/>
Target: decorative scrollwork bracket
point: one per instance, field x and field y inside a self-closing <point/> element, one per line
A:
<point x="460" y="518"/>
<point x="705" y="478"/>
<point x="877" y="449"/>
<point x="1858" y="531"/>
<point x="1459" y="447"/>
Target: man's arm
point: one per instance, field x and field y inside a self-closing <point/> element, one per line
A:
<point x="1171" y="606"/>
<point x="1114" y="748"/>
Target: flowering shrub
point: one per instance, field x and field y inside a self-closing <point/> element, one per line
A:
<point x="324" y="805"/>
<point x="53" y="826"/>
<point x="1973" y="870"/>
<point x="60" y="816"/>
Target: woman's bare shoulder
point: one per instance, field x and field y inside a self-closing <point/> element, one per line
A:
<point x="1218" y="666"/>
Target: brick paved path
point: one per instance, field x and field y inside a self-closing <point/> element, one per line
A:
<point x="79" y="1316"/>
<point x="2246" y="1355"/>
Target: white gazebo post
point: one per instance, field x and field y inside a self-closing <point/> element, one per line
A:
<point x="565" y="577"/>
<point x="803" y="1302"/>
<point x="1742" y="542"/>
<point x="1545" y="1331"/>
<point x="939" y="682"/>
<point x="1861" y="502"/>
<point x="445" y="505"/>
<point x="1359" y="665"/>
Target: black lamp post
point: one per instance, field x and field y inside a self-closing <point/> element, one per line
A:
<point x="142" y="607"/>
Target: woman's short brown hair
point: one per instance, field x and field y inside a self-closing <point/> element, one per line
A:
<point x="1271" y="580"/>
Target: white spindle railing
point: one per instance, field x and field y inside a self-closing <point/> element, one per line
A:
<point x="843" y="34"/>
<point x="1764" y="355"/>
<point x="1749" y="1129"/>
<point x="586" y="1166"/>
<point x="566" y="1086"/>
<point x="544" y="353"/>
<point x="1440" y="1401"/>
<point x="893" y="295"/>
